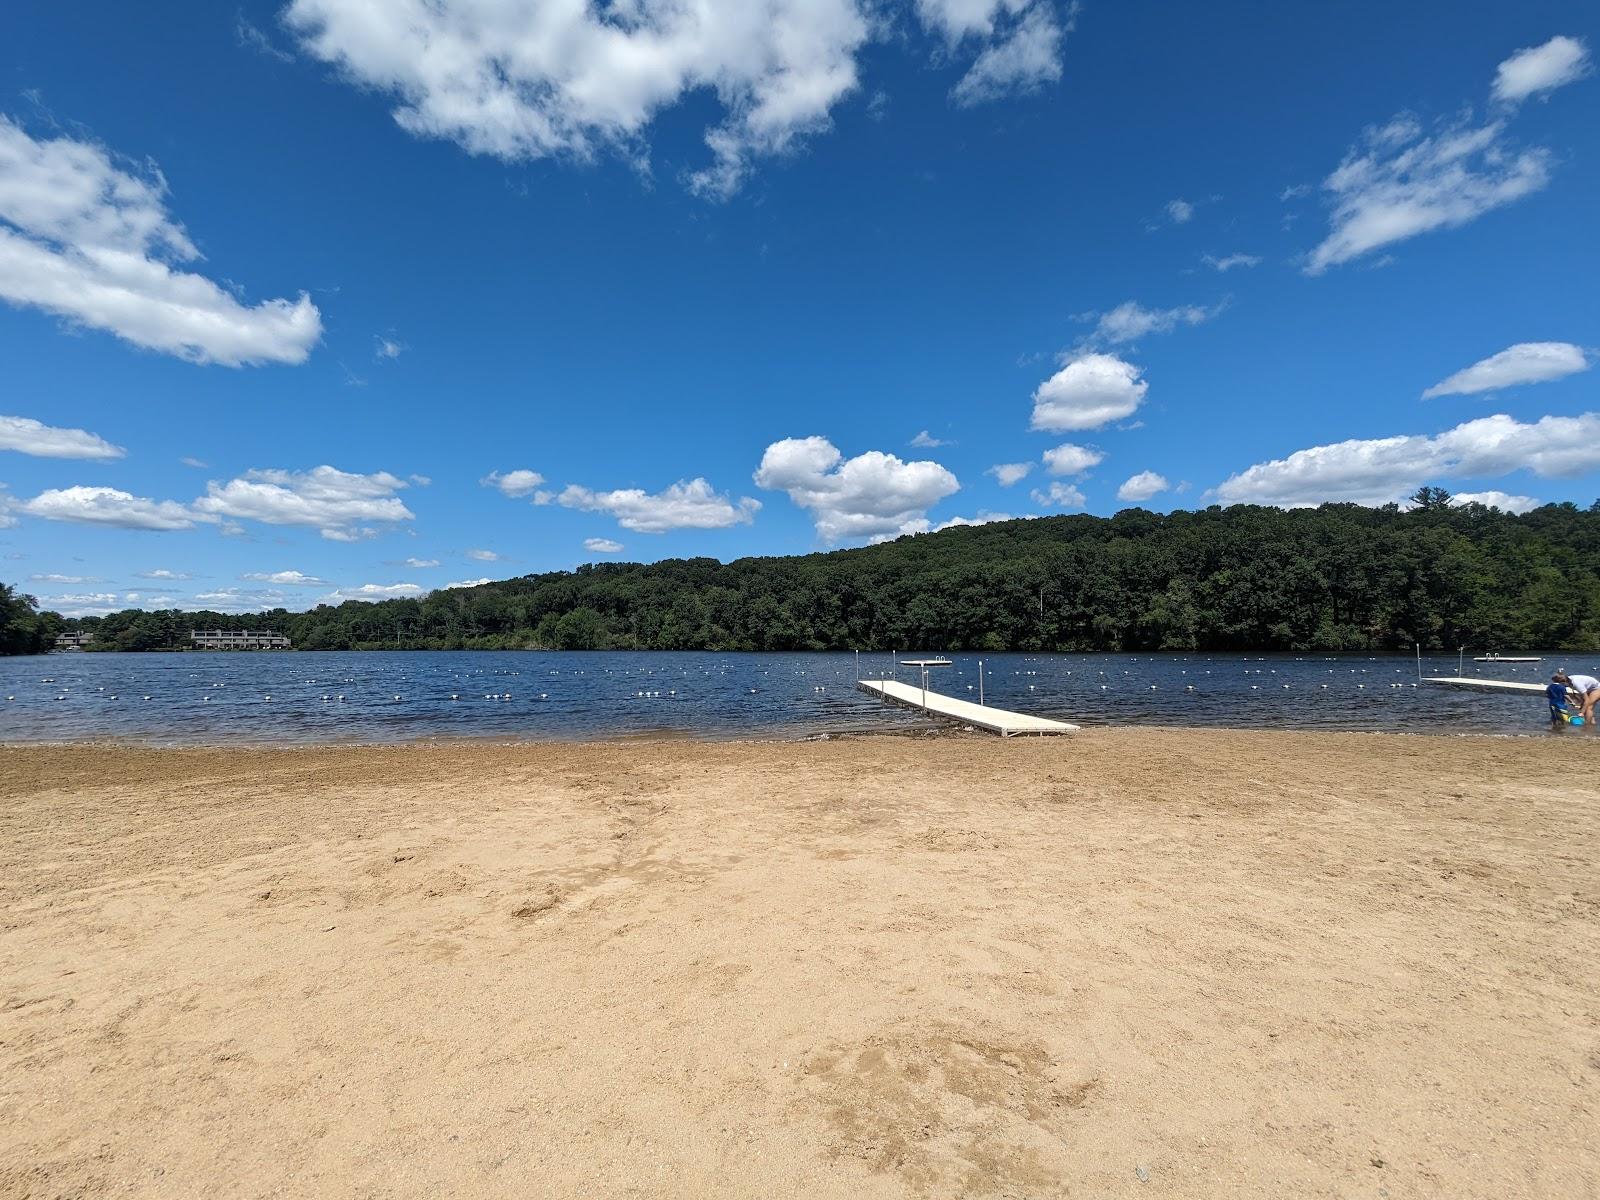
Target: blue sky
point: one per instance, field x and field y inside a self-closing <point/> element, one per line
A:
<point x="299" y="304"/>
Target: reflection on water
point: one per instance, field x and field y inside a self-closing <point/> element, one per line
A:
<point x="378" y="696"/>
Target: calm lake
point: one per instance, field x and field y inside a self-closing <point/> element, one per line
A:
<point x="378" y="696"/>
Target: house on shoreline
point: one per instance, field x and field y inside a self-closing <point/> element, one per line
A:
<point x="230" y="639"/>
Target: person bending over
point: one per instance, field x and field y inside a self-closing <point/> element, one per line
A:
<point x="1588" y="689"/>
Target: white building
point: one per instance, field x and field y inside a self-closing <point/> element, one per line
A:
<point x="229" y="639"/>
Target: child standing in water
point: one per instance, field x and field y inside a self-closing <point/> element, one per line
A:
<point x="1556" y="692"/>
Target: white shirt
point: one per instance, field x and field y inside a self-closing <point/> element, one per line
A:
<point x="1583" y="684"/>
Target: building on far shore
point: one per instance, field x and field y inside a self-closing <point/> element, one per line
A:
<point x="229" y="639"/>
<point x="73" y="641"/>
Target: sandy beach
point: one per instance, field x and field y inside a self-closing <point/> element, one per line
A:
<point x="1133" y="961"/>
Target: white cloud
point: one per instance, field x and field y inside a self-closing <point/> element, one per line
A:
<point x="107" y="506"/>
<point x="387" y="348"/>
<point x="691" y="504"/>
<point x="1560" y="61"/>
<point x="1401" y="185"/>
<point x="983" y="518"/>
<point x="1142" y="486"/>
<point x="421" y="563"/>
<point x="466" y="583"/>
<point x="88" y="241"/>
<point x="1090" y="391"/>
<point x="1384" y="470"/>
<point x="163" y="573"/>
<point x="483" y="555"/>
<point x="602" y="546"/>
<point x="1068" y="459"/>
<point x="871" y="495"/>
<point x="1131" y="321"/>
<point x="519" y="484"/>
<point x="28" y="436"/>
<point x="63" y="579"/>
<point x="1008" y="474"/>
<point x="187" y="461"/>
<point x="1501" y="500"/>
<point x="1180" y="212"/>
<point x="237" y="600"/>
<point x="324" y="498"/>
<point x="530" y="79"/>
<point x="1229" y="261"/>
<point x="284" y="578"/>
<point x="373" y="591"/>
<point x="926" y="441"/>
<point x="1059" y="495"/>
<point x="1526" y="362"/>
<point x="521" y="79"/>
<point x="1026" y="58"/>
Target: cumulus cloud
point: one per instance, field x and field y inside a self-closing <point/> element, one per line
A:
<point x="1399" y="184"/>
<point x="687" y="504"/>
<point x="1130" y="321"/>
<point x="518" y="484"/>
<point x="1142" y="486"/>
<point x="1526" y="362"/>
<point x="1008" y="474"/>
<point x="1059" y="495"/>
<point x="1092" y="390"/>
<point x="27" y="436"/>
<point x="983" y="518"/>
<point x="337" y="503"/>
<point x="1384" y="470"/>
<point x="602" y="546"/>
<point x="1229" y="261"/>
<point x="107" y="506"/>
<point x="1068" y="459"/>
<point x="63" y="579"/>
<point x="926" y="441"/>
<point x="420" y="563"/>
<point x="373" y="591"/>
<point x="1494" y="499"/>
<point x="483" y="555"/>
<point x="1560" y="61"/>
<point x="237" y="600"/>
<point x="873" y="495"/>
<point x="164" y="574"/>
<point x="1022" y="59"/>
<point x="467" y="583"/>
<point x="284" y="578"/>
<point x="519" y="79"/>
<point x="387" y="348"/>
<point x="84" y="239"/>
<point x="1180" y="212"/>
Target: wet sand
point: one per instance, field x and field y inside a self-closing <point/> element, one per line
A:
<point x="1152" y="962"/>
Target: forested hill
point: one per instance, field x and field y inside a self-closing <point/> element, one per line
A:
<point x="1339" y="577"/>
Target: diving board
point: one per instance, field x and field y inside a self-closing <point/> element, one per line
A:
<point x="1488" y="685"/>
<point x="995" y="720"/>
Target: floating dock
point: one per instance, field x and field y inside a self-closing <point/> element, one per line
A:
<point x="1487" y="685"/>
<point x="995" y="720"/>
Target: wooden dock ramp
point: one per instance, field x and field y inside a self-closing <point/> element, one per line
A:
<point x="981" y="716"/>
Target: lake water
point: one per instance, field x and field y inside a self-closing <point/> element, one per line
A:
<point x="380" y="696"/>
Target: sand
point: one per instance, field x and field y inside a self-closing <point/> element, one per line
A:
<point x="1130" y="962"/>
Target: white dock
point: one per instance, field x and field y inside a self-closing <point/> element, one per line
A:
<point x="995" y="720"/>
<point x="1487" y="685"/>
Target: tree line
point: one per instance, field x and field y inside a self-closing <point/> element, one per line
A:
<point x="1338" y="577"/>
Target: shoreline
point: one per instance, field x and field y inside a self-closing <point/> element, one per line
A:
<point x="941" y="731"/>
